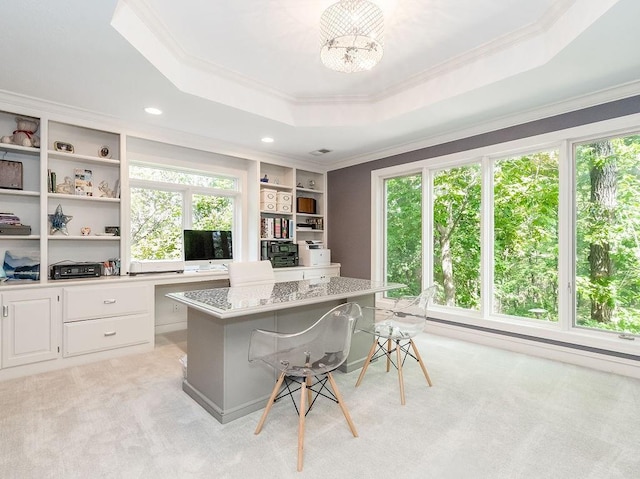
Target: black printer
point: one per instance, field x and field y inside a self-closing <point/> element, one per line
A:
<point x="281" y="253"/>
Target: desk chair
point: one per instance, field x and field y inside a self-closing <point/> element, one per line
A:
<point x="250" y="273"/>
<point x="305" y="361"/>
<point x="394" y="333"/>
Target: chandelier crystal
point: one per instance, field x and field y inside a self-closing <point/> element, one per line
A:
<point x="351" y="35"/>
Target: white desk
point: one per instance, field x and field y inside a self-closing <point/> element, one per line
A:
<point x="220" y="321"/>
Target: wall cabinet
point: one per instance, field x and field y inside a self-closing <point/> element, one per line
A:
<point x="30" y="326"/>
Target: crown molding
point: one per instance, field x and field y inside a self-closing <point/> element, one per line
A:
<point x="566" y="106"/>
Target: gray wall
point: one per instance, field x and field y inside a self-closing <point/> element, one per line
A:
<point x="349" y="189"/>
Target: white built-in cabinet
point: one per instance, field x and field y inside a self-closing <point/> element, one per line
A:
<point x="47" y="324"/>
<point x="293" y="199"/>
<point x="98" y="318"/>
<point x="69" y="153"/>
<point x="31" y="322"/>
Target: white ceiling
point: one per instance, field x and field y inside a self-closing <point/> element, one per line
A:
<point x="234" y="72"/>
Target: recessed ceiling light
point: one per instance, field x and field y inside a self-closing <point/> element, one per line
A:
<point x="267" y="139"/>
<point x="153" y="111"/>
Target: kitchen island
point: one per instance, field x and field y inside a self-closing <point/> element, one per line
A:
<point x="219" y="325"/>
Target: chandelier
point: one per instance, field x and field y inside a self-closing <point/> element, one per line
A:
<point x="351" y="35"/>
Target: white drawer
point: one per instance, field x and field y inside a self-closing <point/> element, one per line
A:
<point x="286" y="274"/>
<point x="320" y="273"/>
<point x="88" y="302"/>
<point x="93" y="335"/>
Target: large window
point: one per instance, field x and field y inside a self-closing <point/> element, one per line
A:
<point x="456" y="236"/>
<point x="539" y="236"/>
<point x="525" y="236"/>
<point x="165" y="201"/>
<point x="608" y="234"/>
<point x="403" y="232"/>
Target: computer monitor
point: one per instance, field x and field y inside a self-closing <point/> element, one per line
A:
<point x="206" y="248"/>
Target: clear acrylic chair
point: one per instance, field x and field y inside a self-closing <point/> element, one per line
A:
<point x="393" y="330"/>
<point x="305" y="361"/>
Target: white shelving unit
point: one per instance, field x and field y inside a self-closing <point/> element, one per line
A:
<point x="96" y="211"/>
<point x="299" y="184"/>
<point x="36" y="201"/>
<point x="26" y="202"/>
<point x="310" y="185"/>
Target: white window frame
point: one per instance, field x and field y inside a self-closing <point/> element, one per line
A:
<point x="239" y="176"/>
<point x="564" y="141"/>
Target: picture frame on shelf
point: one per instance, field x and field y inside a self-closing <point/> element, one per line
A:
<point x="104" y="152"/>
<point x="83" y="182"/>
<point x="63" y="147"/>
<point x="11" y="174"/>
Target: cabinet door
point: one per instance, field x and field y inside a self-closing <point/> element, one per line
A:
<point x="31" y="322"/>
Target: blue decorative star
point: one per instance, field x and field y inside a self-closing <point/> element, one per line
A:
<point x="58" y="221"/>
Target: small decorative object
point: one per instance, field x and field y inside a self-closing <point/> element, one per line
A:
<point x="66" y="187"/>
<point x="105" y="191"/>
<point x="104" y="152"/>
<point x="58" y="222"/>
<point x="62" y="146"/>
<point x="264" y="179"/>
<point x="299" y="185"/>
<point x="24" y="134"/>
<point x="312" y="184"/>
<point x="85" y="230"/>
<point x="112" y="230"/>
<point x="84" y="182"/>
<point x="111" y="267"/>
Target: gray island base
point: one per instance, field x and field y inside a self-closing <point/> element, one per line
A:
<point x="219" y="324"/>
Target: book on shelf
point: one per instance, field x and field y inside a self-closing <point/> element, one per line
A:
<point x="276" y="228"/>
<point x="9" y="219"/>
<point x="51" y="181"/>
<point x="83" y="182"/>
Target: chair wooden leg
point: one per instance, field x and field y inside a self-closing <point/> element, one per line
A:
<point x="424" y="368"/>
<point x="336" y="391"/>
<point x="388" y="355"/>
<point x="400" y="378"/>
<point x="309" y="390"/>
<point x="303" y="387"/>
<point x="367" y="361"/>
<point x="272" y="399"/>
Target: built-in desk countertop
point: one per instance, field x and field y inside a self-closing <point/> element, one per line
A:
<point x="243" y="300"/>
<point x="219" y="325"/>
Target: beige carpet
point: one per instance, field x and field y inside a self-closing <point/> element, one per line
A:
<point x="490" y="414"/>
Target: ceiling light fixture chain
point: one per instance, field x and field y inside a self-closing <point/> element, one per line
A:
<point x="351" y="36"/>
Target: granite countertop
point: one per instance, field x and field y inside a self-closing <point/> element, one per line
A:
<point x="242" y="300"/>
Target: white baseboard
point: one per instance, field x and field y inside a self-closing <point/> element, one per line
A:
<point x="579" y="357"/>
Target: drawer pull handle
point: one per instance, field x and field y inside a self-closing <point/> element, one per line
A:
<point x="109" y="301"/>
<point x="110" y="333"/>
